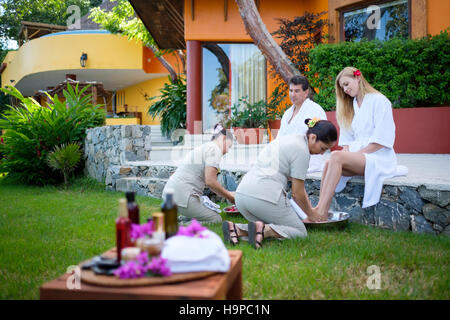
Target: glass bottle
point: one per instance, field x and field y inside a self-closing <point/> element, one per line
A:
<point x="123" y="226"/>
<point x="170" y="210"/>
<point x="158" y="226"/>
<point x="133" y="208"/>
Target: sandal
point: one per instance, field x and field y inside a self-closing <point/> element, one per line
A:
<point x="252" y="233"/>
<point x="227" y="233"/>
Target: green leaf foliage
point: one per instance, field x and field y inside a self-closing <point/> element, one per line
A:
<point x="64" y="158"/>
<point x="31" y="131"/>
<point x="171" y="106"/>
<point x="410" y="73"/>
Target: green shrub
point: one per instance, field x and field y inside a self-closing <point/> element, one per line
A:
<point x="64" y="158"/>
<point x="32" y="131"/>
<point x="171" y="106"/>
<point x="411" y="73"/>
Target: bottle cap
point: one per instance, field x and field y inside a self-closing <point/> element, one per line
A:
<point x="158" y="221"/>
<point x="130" y="196"/>
<point x="123" y="211"/>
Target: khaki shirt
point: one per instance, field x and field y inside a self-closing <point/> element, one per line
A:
<point x="282" y="158"/>
<point x="189" y="178"/>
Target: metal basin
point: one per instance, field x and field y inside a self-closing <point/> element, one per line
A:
<point x="336" y="220"/>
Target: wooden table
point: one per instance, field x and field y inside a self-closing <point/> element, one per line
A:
<point x="218" y="286"/>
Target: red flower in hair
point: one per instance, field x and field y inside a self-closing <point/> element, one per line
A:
<point x="356" y="73"/>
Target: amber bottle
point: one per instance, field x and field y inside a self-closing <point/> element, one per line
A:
<point x="170" y="211"/>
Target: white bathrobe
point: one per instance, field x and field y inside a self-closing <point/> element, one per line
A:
<point x="309" y="109"/>
<point x="373" y="123"/>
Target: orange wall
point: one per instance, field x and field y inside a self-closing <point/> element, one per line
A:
<point x="209" y="23"/>
<point x="151" y="64"/>
<point x="438" y="17"/>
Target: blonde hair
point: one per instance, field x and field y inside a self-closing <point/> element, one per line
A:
<point x="344" y="103"/>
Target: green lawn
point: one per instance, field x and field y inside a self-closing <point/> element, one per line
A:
<point x="44" y="230"/>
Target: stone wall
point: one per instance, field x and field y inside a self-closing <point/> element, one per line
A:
<point x="114" y="146"/>
<point x="401" y="208"/>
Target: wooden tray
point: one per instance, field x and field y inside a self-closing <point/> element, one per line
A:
<point x="89" y="276"/>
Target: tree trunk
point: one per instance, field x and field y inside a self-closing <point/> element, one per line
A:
<point x="264" y="41"/>
<point x="172" y="72"/>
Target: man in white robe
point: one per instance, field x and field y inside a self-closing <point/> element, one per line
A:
<point x="293" y="120"/>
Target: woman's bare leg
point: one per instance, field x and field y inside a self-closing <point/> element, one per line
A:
<point x="340" y="163"/>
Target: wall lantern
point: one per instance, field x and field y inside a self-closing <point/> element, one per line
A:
<point x="83" y="59"/>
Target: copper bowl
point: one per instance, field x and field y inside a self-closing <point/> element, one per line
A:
<point x="336" y="220"/>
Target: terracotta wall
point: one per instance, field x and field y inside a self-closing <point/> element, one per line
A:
<point x="418" y="130"/>
<point x="209" y="23"/>
<point x="437" y="16"/>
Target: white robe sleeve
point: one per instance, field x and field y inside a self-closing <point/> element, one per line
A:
<point x="384" y="131"/>
<point x="283" y="125"/>
<point x="345" y="137"/>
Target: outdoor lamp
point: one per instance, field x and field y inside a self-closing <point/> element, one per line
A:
<point x="83" y="59"/>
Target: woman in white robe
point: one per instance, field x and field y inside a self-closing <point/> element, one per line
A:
<point x="367" y="135"/>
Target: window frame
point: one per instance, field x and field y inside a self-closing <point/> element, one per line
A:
<point x="357" y="6"/>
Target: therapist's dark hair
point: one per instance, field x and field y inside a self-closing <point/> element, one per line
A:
<point x="324" y="130"/>
<point x="225" y="132"/>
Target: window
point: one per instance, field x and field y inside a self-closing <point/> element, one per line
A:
<point x="230" y="72"/>
<point x="381" y="20"/>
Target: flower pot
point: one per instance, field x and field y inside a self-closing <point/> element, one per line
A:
<point x="274" y="126"/>
<point x="249" y="135"/>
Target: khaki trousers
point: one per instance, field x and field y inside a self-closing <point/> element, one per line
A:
<point x="280" y="217"/>
<point x="196" y="210"/>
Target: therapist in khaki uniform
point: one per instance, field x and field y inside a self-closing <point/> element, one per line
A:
<point x="261" y="196"/>
<point x="199" y="169"/>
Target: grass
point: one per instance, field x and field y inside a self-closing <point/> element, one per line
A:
<point x="44" y="230"/>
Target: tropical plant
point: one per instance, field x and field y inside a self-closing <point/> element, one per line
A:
<point x="32" y="131"/>
<point x="171" y="106"/>
<point x="64" y="158"/>
<point x="245" y="114"/>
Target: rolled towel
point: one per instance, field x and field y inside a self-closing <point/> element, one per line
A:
<point x="297" y="209"/>
<point x="211" y="205"/>
<point x="193" y="254"/>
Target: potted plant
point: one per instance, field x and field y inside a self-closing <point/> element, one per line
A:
<point x="249" y="121"/>
<point x="275" y="111"/>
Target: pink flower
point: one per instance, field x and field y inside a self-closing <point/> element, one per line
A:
<point x="193" y="230"/>
<point x="139" y="231"/>
<point x="356" y="73"/>
<point x="130" y="270"/>
<point x="159" y="266"/>
<point x="142" y="258"/>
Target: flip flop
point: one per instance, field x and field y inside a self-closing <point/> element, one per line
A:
<point x="227" y="233"/>
<point x="252" y="233"/>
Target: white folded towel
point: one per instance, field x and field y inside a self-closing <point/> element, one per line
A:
<point x="297" y="209"/>
<point x="193" y="254"/>
<point x="211" y="205"/>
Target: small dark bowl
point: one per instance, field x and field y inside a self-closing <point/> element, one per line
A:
<point x="227" y="210"/>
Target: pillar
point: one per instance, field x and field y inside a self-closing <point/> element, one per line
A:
<point x="194" y="87"/>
